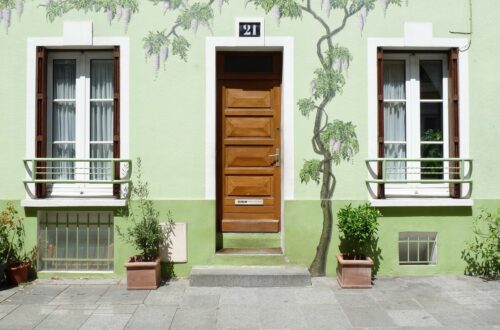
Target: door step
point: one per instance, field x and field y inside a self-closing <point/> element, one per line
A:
<point x="251" y="251"/>
<point x="250" y="276"/>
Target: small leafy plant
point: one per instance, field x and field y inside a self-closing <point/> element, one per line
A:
<point x="358" y="226"/>
<point x="482" y="254"/>
<point x="11" y="236"/>
<point x="145" y="234"/>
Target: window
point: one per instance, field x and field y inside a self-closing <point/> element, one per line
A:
<point x="77" y="118"/>
<point x="76" y="241"/>
<point x="418" y="123"/>
<point x="417" y="248"/>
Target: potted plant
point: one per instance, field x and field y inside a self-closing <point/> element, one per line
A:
<point x="358" y="229"/>
<point x="146" y="235"/>
<point x="13" y="259"/>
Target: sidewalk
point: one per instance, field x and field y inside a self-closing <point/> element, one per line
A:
<point x="453" y="302"/>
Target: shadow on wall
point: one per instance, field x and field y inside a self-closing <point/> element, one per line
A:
<point x="446" y="211"/>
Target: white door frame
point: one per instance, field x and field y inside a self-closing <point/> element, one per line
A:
<point x="284" y="44"/>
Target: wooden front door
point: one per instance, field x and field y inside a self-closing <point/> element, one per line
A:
<point x="249" y="142"/>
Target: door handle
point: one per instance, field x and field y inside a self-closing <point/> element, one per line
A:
<point x="276" y="157"/>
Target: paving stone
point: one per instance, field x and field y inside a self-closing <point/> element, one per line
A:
<point x="204" y="291"/>
<point x="107" y="321"/>
<point x="65" y="319"/>
<point x="119" y="294"/>
<point x="165" y="296"/>
<point x="368" y="316"/>
<point x="238" y="317"/>
<point x="194" y="318"/>
<point x="36" y="294"/>
<point x="325" y="317"/>
<point x="452" y="315"/>
<point x="491" y="316"/>
<point x="406" y="318"/>
<point x="238" y="296"/>
<point x="78" y="307"/>
<point x="330" y="282"/>
<point x="115" y="309"/>
<point x="281" y="317"/>
<point x="80" y="294"/>
<point x="152" y="317"/>
<point x="7" y="308"/>
<point x="276" y="296"/>
<point x="200" y="301"/>
<point x="25" y="317"/>
<point x="6" y="293"/>
<point x="315" y="296"/>
<point x="356" y="300"/>
<point x="470" y="297"/>
<point x="395" y="300"/>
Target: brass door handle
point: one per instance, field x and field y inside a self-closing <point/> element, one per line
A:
<point x="276" y="157"/>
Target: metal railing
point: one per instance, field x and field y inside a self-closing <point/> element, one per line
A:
<point x="78" y="170"/>
<point x="419" y="170"/>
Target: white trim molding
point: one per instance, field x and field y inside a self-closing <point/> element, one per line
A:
<point x="73" y="202"/>
<point x="418" y="36"/>
<point x="77" y="35"/>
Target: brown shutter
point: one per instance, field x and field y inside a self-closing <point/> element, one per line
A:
<point x="380" y="118"/>
<point x="41" y="117"/>
<point x="116" y="116"/>
<point x="454" y="119"/>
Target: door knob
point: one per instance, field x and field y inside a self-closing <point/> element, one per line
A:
<point x="276" y="157"/>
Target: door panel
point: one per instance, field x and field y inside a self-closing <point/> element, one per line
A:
<point x="249" y="172"/>
<point x="250" y="127"/>
<point x="249" y="156"/>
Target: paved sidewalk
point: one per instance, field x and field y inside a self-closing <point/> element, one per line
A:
<point x="451" y="302"/>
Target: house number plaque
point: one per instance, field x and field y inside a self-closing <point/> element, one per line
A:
<point x="249" y="29"/>
<point x="253" y="201"/>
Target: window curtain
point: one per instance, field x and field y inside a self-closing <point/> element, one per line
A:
<point x="395" y="118"/>
<point x="63" y="118"/>
<point x="101" y="117"/>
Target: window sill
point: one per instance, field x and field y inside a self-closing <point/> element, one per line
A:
<point x="74" y="202"/>
<point x="421" y="202"/>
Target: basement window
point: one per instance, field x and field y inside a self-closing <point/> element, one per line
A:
<point x="76" y="241"/>
<point x="417" y="248"/>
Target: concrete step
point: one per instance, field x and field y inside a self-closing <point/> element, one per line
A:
<point x="249" y="276"/>
<point x="249" y="240"/>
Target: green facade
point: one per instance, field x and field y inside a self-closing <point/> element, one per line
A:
<point x="167" y="127"/>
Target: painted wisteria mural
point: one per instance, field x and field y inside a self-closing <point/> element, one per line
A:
<point x="333" y="141"/>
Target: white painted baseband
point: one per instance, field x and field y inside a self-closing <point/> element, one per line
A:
<point x="74" y="202"/>
<point x="421" y="202"/>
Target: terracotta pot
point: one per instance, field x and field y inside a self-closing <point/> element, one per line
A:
<point x="143" y="275"/>
<point x="17" y="273"/>
<point x="354" y="273"/>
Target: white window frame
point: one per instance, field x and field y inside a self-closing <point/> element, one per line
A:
<point x="418" y="36"/>
<point x="76" y="35"/>
<point x="413" y="139"/>
<point x="82" y="120"/>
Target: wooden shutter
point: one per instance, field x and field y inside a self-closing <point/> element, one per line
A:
<point x="380" y="118"/>
<point x="41" y="118"/>
<point x="454" y="119"/>
<point x="116" y="116"/>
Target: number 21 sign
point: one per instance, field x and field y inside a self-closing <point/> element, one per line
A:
<point x="249" y="29"/>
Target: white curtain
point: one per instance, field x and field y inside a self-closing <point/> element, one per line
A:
<point x="63" y="117"/>
<point x="395" y="117"/>
<point x="101" y="117"/>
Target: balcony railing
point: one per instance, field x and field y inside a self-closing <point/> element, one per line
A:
<point x="420" y="170"/>
<point x="420" y="177"/>
<point x="114" y="171"/>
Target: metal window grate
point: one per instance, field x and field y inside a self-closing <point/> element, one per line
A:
<point x="417" y="248"/>
<point x="76" y="241"/>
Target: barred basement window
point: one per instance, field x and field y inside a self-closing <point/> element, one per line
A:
<point x="417" y="248"/>
<point x="76" y="241"/>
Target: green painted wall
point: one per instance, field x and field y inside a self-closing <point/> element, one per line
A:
<point x="167" y="124"/>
